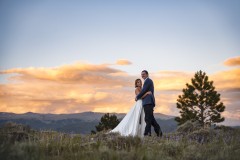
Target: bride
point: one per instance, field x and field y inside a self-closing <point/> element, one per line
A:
<point x="133" y="124"/>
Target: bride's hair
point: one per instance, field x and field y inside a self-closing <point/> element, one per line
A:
<point x="137" y="81"/>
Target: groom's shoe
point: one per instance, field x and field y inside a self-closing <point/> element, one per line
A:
<point x="159" y="133"/>
<point x="147" y="135"/>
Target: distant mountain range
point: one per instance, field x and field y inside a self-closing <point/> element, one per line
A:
<point x="81" y="123"/>
<point x="86" y="116"/>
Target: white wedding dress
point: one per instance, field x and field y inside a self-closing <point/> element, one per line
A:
<point x="133" y="124"/>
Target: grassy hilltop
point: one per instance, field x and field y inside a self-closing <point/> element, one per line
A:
<point x="188" y="142"/>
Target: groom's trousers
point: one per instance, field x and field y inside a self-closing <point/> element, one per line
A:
<point x="150" y="120"/>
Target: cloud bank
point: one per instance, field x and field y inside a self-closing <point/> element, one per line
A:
<point x="80" y="87"/>
<point x="123" y="62"/>
<point x="235" y="61"/>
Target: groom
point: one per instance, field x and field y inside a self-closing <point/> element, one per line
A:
<point x="148" y="104"/>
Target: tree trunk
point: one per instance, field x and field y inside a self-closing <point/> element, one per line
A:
<point x="202" y="120"/>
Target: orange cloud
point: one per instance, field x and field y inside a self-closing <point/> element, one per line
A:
<point x="171" y="80"/>
<point x="166" y="102"/>
<point x="83" y="87"/>
<point x="65" y="89"/>
<point x="123" y="62"/>
<point x="229" y="79"/>
<point x="235" y="61"/>
<point x="79" y="72"/>
<point x="169" y="84"/>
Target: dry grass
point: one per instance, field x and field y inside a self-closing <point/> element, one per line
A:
<point x="20" y="142"/>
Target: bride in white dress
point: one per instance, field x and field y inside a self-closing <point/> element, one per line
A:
<point x="133" y="124"/>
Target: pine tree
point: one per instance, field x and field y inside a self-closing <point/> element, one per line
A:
<point x="106" y="122"/>
<point x="200" y="102"/>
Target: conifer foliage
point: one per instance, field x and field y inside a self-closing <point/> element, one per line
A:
<point x="200" y="102"/>
<point x="107" y="122"/>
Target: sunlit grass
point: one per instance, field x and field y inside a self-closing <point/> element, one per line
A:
<point x="20" y="142"/>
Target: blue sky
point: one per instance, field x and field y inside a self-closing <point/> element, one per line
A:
<point x="60" y="56"/>
<point x="156" y="35"/>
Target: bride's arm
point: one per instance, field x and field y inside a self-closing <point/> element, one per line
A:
<point x="138" y="90"/>
<point x="149" y="92"/>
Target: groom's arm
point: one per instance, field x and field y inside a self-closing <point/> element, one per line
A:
<point x="144" y="90"/>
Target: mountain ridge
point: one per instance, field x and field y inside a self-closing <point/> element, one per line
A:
<point x="81" y="123"/>
<point x="89" y="115"/>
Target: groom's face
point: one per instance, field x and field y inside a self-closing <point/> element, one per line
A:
<point x="144" y="75"/>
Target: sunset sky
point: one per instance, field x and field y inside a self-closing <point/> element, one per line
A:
<point x="61" y="56"/>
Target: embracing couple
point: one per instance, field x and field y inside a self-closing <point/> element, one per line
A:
<point x="140" y="118"/>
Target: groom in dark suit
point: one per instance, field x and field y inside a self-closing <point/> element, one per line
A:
<point x="148" y="104"/>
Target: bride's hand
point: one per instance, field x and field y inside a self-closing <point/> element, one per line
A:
<point x="149" y="92"/>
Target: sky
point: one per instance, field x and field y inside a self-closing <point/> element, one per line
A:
<point x="63" y="56"/>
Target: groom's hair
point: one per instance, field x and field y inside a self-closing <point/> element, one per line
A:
<point x="145" y="71"/>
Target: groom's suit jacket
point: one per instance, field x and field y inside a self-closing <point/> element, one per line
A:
<point x="149" y="99"/>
